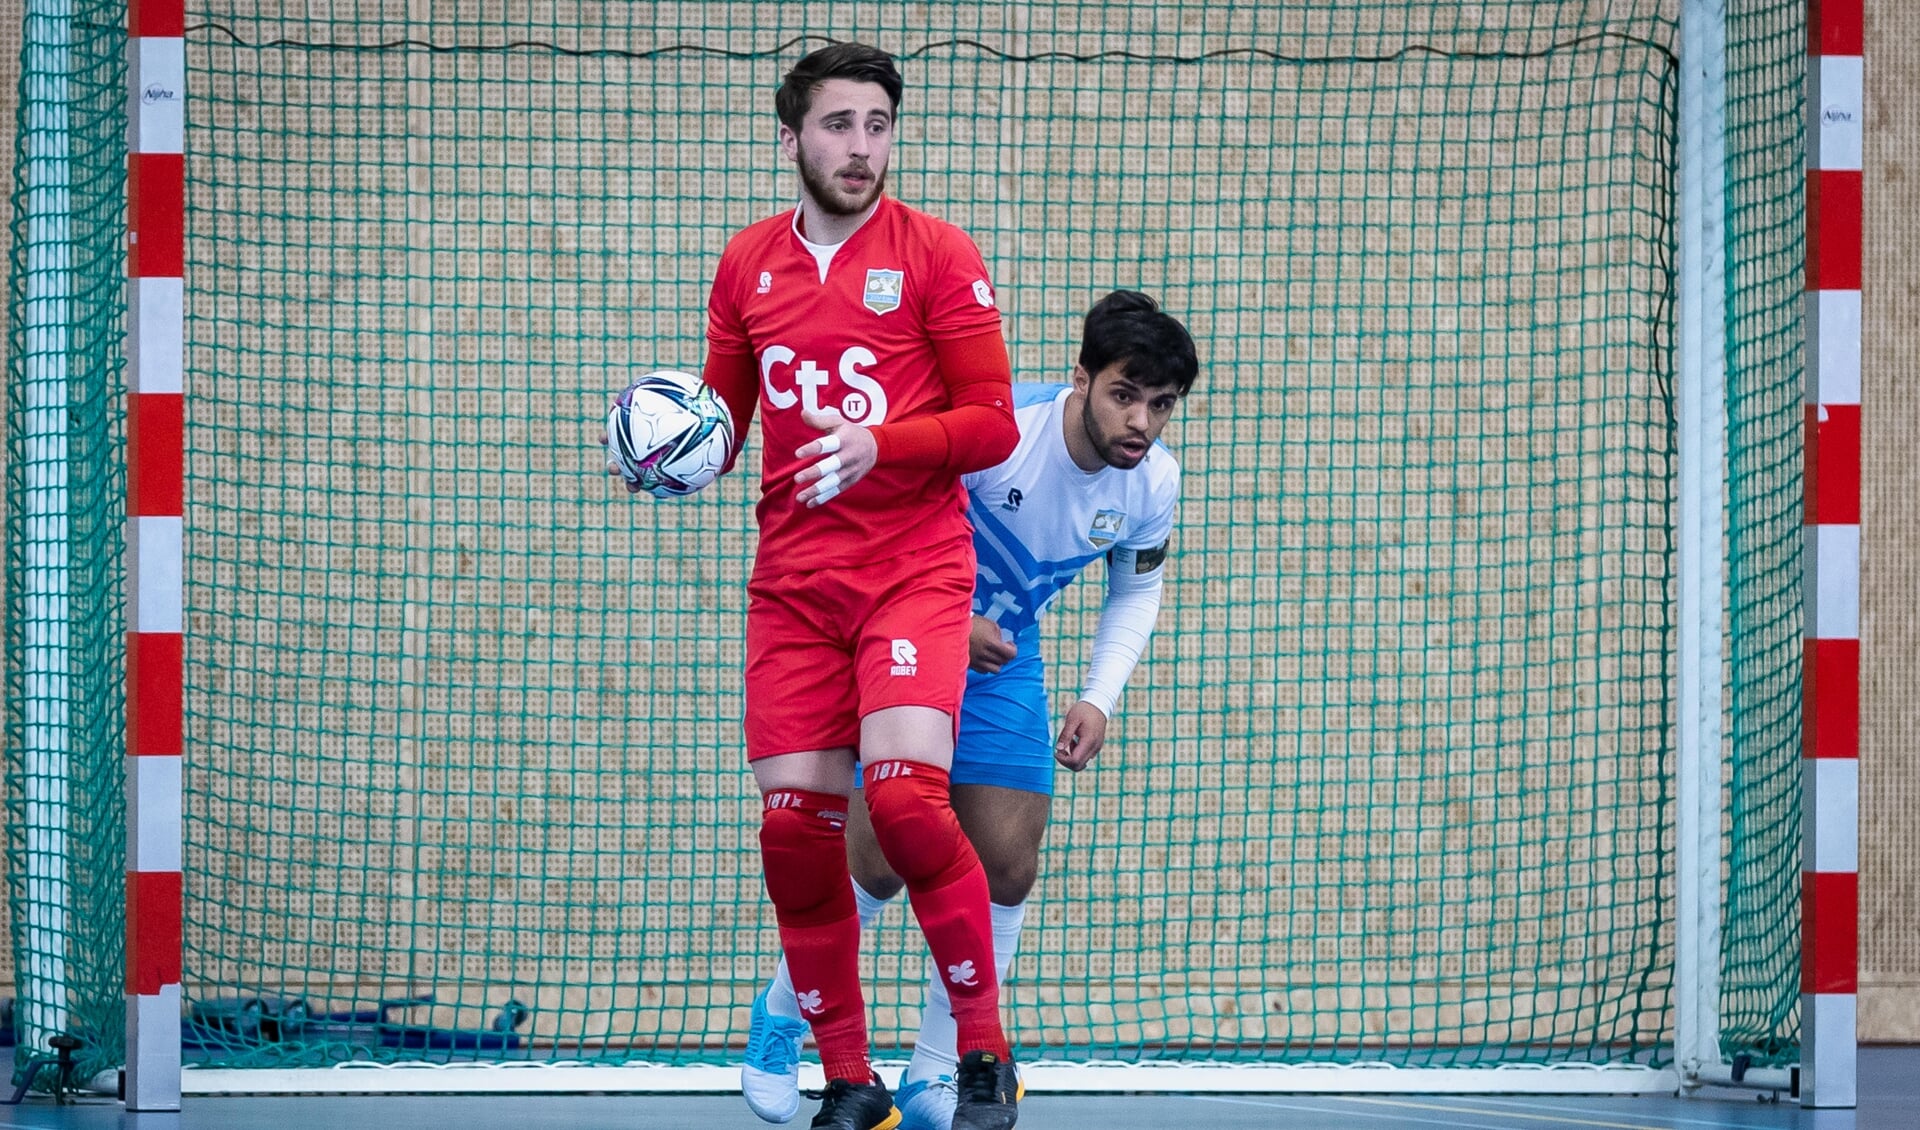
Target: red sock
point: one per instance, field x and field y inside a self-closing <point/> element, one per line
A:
<point x="913" y="820"/>
<point x="803" y="846"/>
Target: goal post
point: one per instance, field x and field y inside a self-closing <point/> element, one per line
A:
<point x="1471" y="682"/>
<point x="1700" y="412"/>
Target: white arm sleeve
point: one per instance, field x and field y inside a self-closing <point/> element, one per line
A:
<point x="1126" y="623"/>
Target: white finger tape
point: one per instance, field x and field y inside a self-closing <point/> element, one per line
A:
<point x="826" y="486"/>
<point x="828" y="466"/>
<point x="829" y="444"/>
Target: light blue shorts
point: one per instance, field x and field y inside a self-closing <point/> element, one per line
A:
<point x="1006" y="730"/>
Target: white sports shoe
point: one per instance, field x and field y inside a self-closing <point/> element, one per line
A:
<point x="770" y="1077"/>
<point x="926" y="1104"/>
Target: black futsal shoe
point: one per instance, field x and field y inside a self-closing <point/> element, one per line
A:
<point x="990" y="1092"/>
<point x="854" y="1106"/>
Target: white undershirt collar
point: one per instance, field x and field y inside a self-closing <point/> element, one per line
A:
<point x="823" y="253"/>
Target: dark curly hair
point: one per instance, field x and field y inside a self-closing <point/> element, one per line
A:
<point x="1154" y="349"/>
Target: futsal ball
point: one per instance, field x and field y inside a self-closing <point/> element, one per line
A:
<point x="669" y="433"/>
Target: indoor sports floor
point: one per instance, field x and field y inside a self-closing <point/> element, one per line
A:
<point x="1889" y="1100"/>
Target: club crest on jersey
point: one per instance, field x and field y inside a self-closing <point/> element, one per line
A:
<point x="1106" y="527"/>
<point x="882" y="295"/>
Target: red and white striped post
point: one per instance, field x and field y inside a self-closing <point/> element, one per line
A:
<point x="156" y="248"/>
<point x="1830" y="887"/>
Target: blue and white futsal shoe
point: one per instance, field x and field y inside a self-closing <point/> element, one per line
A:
<point x="926" y="1104"/>
<point x="770" y="1077"/>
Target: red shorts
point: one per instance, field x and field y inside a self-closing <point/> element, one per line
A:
<point x="827" y="648"/>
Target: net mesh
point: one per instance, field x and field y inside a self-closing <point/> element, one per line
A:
<point x="1766" y="233"/>
<point x="463" y="775"/>
<point x="65" y="651"/>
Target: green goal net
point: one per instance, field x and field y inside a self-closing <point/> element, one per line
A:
<point x="1766" y="341"/>
<point x="464" y="778"/>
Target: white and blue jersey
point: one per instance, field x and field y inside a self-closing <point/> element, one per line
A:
<point x="1038" y="522"/>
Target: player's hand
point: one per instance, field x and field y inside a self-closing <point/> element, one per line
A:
<point x="614" y="468"/>
<point x="987" y="649"/>
<point x="842" y="457"/>
<point x="1081" y="736"/>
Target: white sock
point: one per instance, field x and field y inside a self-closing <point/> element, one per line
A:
<point x="934" y="1052"/>
<point x="870" y="906"/>
<point x="1007" y="922"/>
<point x="781" y="999"/>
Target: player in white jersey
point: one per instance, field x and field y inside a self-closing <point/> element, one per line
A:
<point x="1088" y="479"/>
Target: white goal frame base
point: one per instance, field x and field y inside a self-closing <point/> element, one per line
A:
<point x="1040" y="1076"/>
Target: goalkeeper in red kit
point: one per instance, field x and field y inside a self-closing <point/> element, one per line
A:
<point x="868" y="334"/>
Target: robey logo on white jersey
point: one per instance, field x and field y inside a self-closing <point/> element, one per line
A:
<point x="788" y="380"/>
